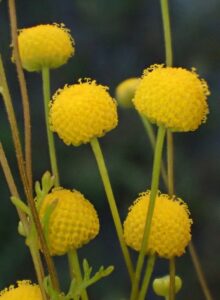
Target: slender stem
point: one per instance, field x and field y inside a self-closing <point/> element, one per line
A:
<point x="13" y="190"/>
<point x="167" y="31"/>
<point x="21" y="166"/>
<point x="50" y="137"/>
<point x="172" y="292"/>
<point x="199" y="272"/>
<point x="112" y="203"/>
<point x="149" y="130"/>
<point x="147" y="276"/>
<point x="23" y="88"/>
<point x="38" y="268"/>
<point x="76" y="270"/>
<point x="154" y="190"/>
<point x="170" y="162"/>
<point x="170" y="148"/>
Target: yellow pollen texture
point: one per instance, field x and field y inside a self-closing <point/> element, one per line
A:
<point x="45" y="46"/>
<point x="173" y="97"/>
<point x="81" y="112"/>
<point x="73" y="222"/>
<point x="170" y="229"/>
<point x="24" y="291"/>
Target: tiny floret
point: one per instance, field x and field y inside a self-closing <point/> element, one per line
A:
<point x="81" y="112"/>
<point x="72" y="223"/>
<point x="49" y="45"/>
<point x="170" y="229"/>
<point x="125" y="92"/>
<point x="173" y="97"/>
<point x="23" y="291"/>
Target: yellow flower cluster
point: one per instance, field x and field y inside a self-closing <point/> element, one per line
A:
<point x="24" y="291"/>
<point x="81" y="112"/>
<point x="172" y="97"/>
<point x="125" y="91"/>
<point x="45" y="46"/>
<point x="73" y="222"/>
<point x="170" y="228"/>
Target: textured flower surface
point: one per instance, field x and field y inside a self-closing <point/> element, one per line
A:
<point x="45" y="46"/>
<point x="73" y="221"/>
<point x="24" y="291"/>
<point x="173" y="97"/>
<point x="125" y="91"/>
<point x="170" y="228"/>
<point x="81" y="112"/>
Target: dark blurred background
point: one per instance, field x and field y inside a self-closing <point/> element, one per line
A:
<point x="116" y="40"/>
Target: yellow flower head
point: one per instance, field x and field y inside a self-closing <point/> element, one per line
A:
<point x="73" y="221"/>
<point x="170" y="229"/>
<point x="81" y="112"/>
<point x="45" y="46"/>
<point x="24" y="291"/>
<point x="173" y="97"/>
<point x="125" y="92"/>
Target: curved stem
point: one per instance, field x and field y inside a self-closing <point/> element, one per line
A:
<point x="154" y="190"/>
<point x="112" y="203"/>
<point x="50" y="136"/>
<point x="147" y="276"/>
<point x="172" y="292"/>
<point x="149" y="130"/>
<point x="76" y="270"/>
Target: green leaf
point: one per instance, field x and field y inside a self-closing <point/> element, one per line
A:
<point x="76" y="289"/>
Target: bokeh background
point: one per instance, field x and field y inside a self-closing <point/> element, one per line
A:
<point x="116" y="40"/>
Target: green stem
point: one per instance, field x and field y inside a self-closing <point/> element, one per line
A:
<point x="38" y="268"/>
<point x="170" y="148"/>
<point x="172" y="279"/>
<point x="153" y="194"/>
<point x="149" y="130"/>
<point x="75" y="270"/>
<point x="50" y="137"/>
<point x="167" y="32"/>
<point x="111" y="200"/>
<point x="170" y="162"/>
<point x="147" y="276"/>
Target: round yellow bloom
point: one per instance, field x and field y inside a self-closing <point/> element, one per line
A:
<point x="24" y="291"/>
<point x="73" y="221"/>
<point x="170" y="228"/>
<point x="173" y="97"/>
<point x="81" y="112"/>
<point x="125" y="91"/>
<point x="45" y="46"/>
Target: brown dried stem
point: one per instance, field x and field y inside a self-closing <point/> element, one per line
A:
<point x="22" y="216"/>
<point x="22" y="171"/>
<point x="23" y="89"/>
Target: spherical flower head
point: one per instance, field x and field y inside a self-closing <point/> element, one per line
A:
<point x="73" y="221"/>
<point x="170" y="228"/>
<point x="42" y="46"/>
<point x="24" y="291"/>
<point x="125" y="92"/>
<point x="173" y="97"/>
<point x="82" y="111"/>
